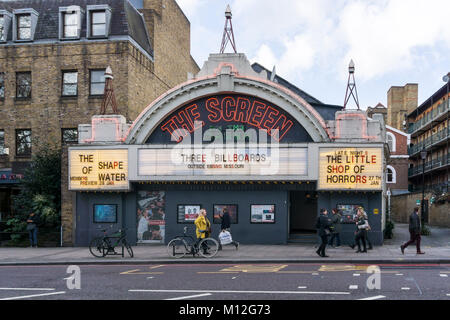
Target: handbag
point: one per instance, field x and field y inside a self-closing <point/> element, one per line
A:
<point x="225" y="237"/>
<point x="31" y="226"/>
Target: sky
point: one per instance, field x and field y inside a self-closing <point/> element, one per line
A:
<point x="311" y="42"/>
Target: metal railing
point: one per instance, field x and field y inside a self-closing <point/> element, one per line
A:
<point x="439" y="136"/>
<point x="430" y="116"/>
<point x="430" y="165"/>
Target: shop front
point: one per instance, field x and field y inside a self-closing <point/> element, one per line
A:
<point x="227" y="139"/>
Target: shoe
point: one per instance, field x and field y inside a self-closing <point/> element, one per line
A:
<point x="337" y="246"/>
<point x="364" y="251"/>
<point x="325" y="256"/>
<point x="358" y="251"/>
<point x="420" y="252"/>
<point x="403" y="249"/>
<point x="318" y="253"/>
<point x="352" y="246"/>
<point x="370" y="248"/>
<point x="237" y="246"/>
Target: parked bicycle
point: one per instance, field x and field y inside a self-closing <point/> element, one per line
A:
<point x="106" y="244"/>
<point x="179" y="246"/>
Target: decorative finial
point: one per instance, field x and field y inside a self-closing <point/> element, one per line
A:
<point x="108" y="95"/>
<point x="351" y="86"/>
<point x="228" y="34"/>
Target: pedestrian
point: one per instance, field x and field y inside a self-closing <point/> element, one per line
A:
<point x="323" y="226"/>
<point x="414" y="231"/>
<point x="225" y="225"/>
<point x="335" y="228"/>
<point x="32" y="228"/>
<point x="361" y="230"/>
<point x="203" y="228"/>
<point x="367" y="230"/>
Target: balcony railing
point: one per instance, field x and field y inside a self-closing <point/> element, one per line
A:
<point x="439" y="136"/>
<point x="438" y="187"/>
<point x="430" y="116"/>
<point x="430" y="165"/>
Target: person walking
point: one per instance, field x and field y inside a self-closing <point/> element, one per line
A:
<point x="202" y="228"/>
<point x="370" y="247"/>
<point x="335" y="228"/>
<point x="323" y="226"/>
<point x="225" y="225"/>
<point x="414" y="231"/>
<point x="32" y="222"/>
<point x="361" y="230"/>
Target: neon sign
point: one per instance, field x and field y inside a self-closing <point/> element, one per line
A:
<point x="230" y="110"/>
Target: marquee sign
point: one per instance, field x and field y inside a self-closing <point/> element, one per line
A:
<point x="350" y="169"/>
<point x="98" y="169"/>
<point x="229" y="111"/>
<point x="178" y="162"/>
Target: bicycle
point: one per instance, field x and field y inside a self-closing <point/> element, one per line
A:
<point x="179" y="246"/>
<point x="106" y="244"/>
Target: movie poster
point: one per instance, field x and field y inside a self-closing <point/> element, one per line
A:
<point x="151" y="216"/>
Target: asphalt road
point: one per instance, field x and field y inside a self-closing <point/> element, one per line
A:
<point x="226" y="282"/>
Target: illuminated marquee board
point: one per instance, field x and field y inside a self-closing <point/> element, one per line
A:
<point x="350" y="169"/>
<point x="223" y="162"/>
<point x="98" y="169"/>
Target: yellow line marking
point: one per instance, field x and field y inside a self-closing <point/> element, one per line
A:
<point x="255" y="268"/>
<point x="130" y="271"/>
<point x="217" y="272"/>
<point x="154" y="267"/>
<point x="138" y="271"/>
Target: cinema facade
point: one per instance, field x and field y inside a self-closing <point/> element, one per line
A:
<point x="228" y="138"/>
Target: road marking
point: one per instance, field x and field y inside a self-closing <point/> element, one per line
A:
<point x="302" y="287"/>
<point x="138" y="271"/>
<point x="443" y="275"/>
<point x="405" y="288"/>
<point x="314" y="274"/>
<point x="159" y="266"/>
<point x="342" y="268"/>
<point x="255" y="268"/>
<point x="356" y="274"/>
<point x="237" y="291"/>
<point x="34" y="295"/>
<point x="373" y="298"/>
<point x="190" y="297"/>
<point x="353" y="287"/>
<point x="399" y="274"/>
<point x="29" y="289"/>
<point x="448" y="294"/>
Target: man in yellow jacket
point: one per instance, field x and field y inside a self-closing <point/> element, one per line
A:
<point x="202" y="227"/>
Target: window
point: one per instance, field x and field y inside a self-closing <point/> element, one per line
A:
<point x="391" y="175"/>
<point x="70" y="22"/>
<point x="2" y="141"/>
<point x="70" y="83"/>
<point x="2" y="29"/>
<point x="24" y="24"/>
<point x="98" y="23"/>
<point x="70" y="25"/>
<point x="187" y="213"/>
<point x="390" y="140"/>
<point x="23" y="84"/>
<point x="23" y="142"/>
<point x="219" y="210"/>
<point x="69" y="135"/>
<point x="2" y="85"/>
<point x="97" y="86"/>
<point x="24" y="27"/>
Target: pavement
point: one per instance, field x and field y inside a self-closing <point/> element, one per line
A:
<point x="436" y="247"/>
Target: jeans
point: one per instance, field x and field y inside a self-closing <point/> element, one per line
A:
<point x="338" y="239"/>
<point x="33" y="236"/>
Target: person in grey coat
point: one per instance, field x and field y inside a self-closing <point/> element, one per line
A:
<point x="414" y="231"/>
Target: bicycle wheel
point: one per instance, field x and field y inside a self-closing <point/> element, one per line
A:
<point x="129" y="249"/>
<point x="208" y="247"/>
<point x="98" y="248"/>
<point x="177" y="248"/>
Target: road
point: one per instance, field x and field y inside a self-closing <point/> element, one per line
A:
<point x="227" y="282"/>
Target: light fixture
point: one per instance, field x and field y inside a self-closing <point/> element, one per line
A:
<point x="423" y="154"/>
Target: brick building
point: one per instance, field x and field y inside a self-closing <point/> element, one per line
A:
<point x="53" y="55"/>
<point x="397" y="165"/>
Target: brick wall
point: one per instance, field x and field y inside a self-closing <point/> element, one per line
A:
<point x="403" y="205"/>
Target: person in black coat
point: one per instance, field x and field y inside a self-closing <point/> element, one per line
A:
<point x="414" y="231"/>
<point x="323" y="226"/>
<point x="225" y="226"/>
